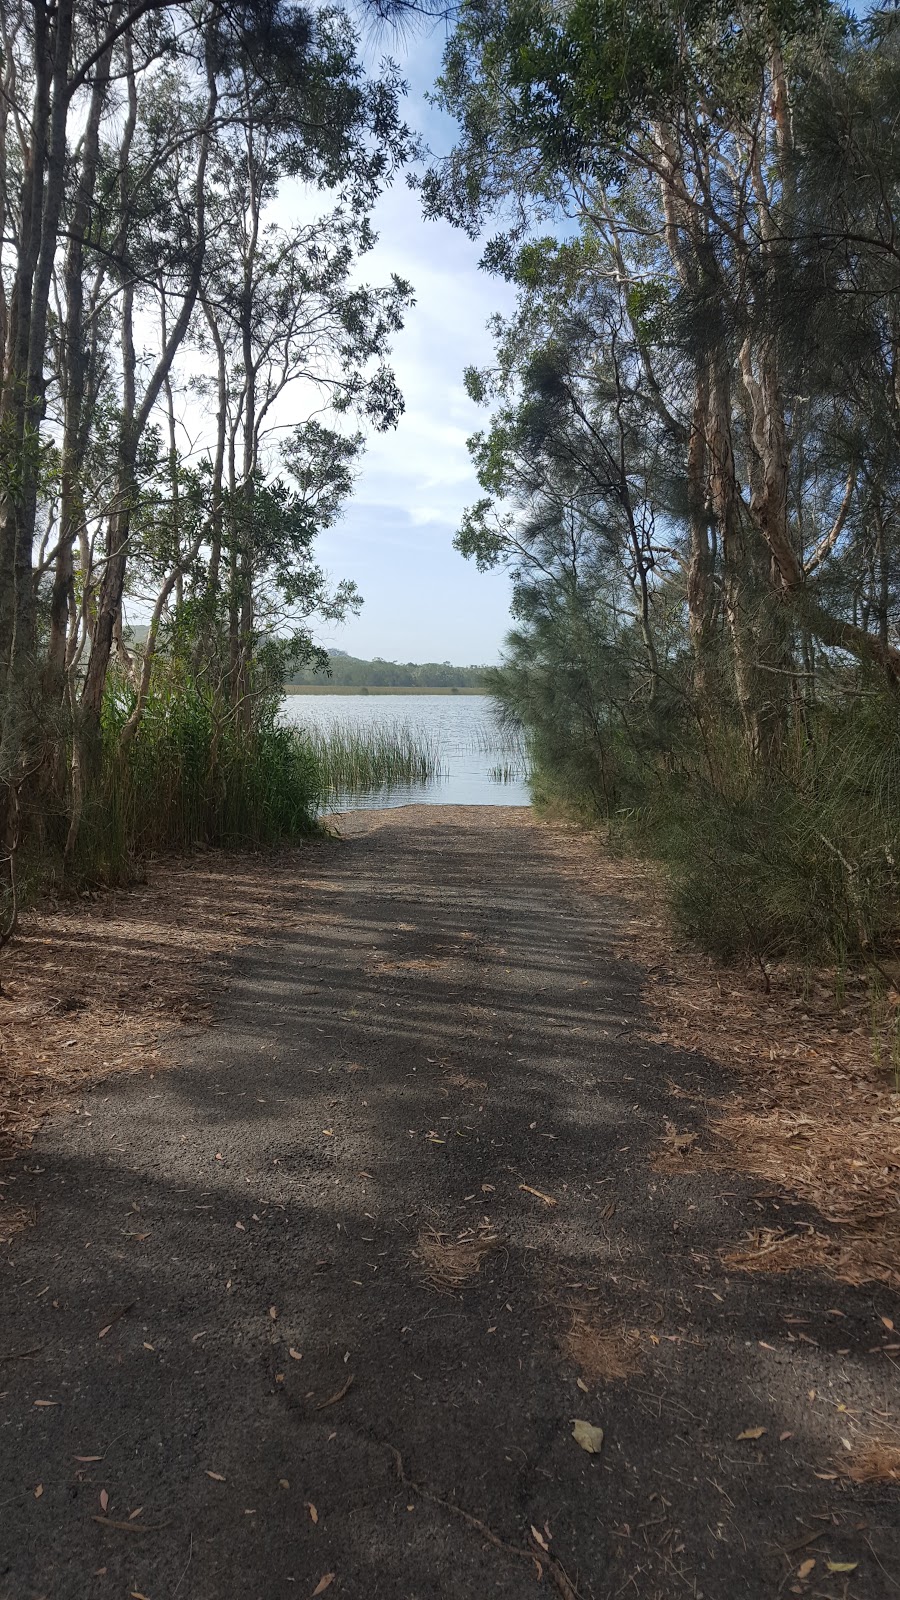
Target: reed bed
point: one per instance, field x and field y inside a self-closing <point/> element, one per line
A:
<point x="353" y="760"/>
<point x="501" y="737"/>
<point x="515" y="771"/>
<point x="192" y="778"/>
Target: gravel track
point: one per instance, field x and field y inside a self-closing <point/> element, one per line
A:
<point x="224" y="1372"/>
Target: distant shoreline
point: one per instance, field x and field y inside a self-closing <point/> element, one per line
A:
<point x="371" y="688"/>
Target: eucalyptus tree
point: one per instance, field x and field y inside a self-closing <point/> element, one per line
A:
<point x="672" y="133"/>
<point x="723" y="184"/>
<point x="56" y="72"/>
<point x="158" y="241"/>
<point x="144" y="145"/>
<point x="285" y="316"/>
<point x="844" y="305"/>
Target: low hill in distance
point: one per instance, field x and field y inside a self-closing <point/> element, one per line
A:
<point x="349" y="672"/>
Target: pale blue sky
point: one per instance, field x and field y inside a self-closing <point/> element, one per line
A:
<point x="423" y="602"/>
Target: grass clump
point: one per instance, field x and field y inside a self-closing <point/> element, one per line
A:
<point x="193" y="777"/>
<point x="352" y="760"/>
<point x="798" y="860"/>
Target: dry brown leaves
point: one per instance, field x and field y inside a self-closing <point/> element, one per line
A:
<point x="680" y="1153"/>
<point x="447" y="1265"/>
<point x="584" y="1326"/>
<point x="112" y="982"/>
<point x="852" y="1256"/>
<point x="601" y="1353"/>
<point x="876" y="1461"/>
<point x="811" y="1111"/>
<point x="379" y="965"/>
<point x="461" y="1080"/>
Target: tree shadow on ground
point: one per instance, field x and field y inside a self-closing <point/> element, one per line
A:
<point x="445" y="1041"/>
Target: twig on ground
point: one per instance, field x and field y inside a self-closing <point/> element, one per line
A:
<point x="539" y="1557"/>
<point x="339" y="1395"/>
<point x="19" y="1355"/>
<point x="186" y="1565"/>
<point x="131" y="1527"/>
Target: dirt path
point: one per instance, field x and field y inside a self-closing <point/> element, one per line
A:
<point x="232" y="1360"/>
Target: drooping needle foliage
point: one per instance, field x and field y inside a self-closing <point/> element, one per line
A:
<point x="692" y="467"/>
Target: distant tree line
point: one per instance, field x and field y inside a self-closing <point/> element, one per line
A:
<point x="344" y="671"/>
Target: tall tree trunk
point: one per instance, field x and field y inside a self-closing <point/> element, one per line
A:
<point x="740" y="602"/>
<point x="132" y="427"/>
<point x="242" y="685"/>
<point x="218" y="476"/>
<point x="73" y="381"/>
<point x="701" y="594"/>
<point x="17" y="440"/>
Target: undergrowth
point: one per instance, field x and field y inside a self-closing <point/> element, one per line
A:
<point x="796" y="858"/>
<point x="193" y="777"/>
<point x="800" y="859"/>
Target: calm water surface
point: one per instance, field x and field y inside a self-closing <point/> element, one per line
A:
<point x="480" y="765"/>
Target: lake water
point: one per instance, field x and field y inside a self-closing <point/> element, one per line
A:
<point x="480" y="764"/>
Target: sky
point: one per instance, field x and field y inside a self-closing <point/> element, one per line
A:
<point x="423" y="601"/>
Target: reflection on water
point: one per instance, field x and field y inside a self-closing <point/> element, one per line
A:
<point x="481" y="764"/>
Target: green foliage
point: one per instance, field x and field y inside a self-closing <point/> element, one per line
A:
<point x="799" y="860"/>
<point x="649" y="307"/>
<point x="191" y="314"/>
<point x="550" y="97"/>
<point x="192" y="776"/>
<point x="692" y="469"/>
<point x="802" y="861"/>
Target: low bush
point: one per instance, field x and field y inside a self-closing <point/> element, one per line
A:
<point x="799" y="856"/>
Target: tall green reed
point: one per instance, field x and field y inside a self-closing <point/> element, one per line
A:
<point x="354" y="760"/>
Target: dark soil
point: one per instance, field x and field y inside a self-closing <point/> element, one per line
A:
<point x="447" y="1041"/>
